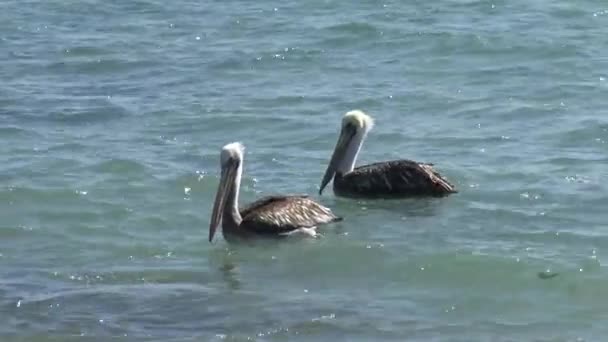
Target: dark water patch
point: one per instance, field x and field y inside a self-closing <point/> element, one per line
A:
<point x="85" y="51"/>
<point x="14" y="232"/>
<point x="461" y="271"/>
<point x="498" y="45"/>
<point x="100" y="111"/>
<point x="120" y="167"/>
<point x="298" y="57"/>
<point x="173" y="278"/>
<point x="456" y="43"/>
<point x="356" y="28"/>
<point x="592" y="203"/>
<point x="99" y="66"/>
<point x="139" y="8"/>
<point x="72" y="147"/>
<point x="360" y="102"/>
<point x="567" y="162"/>
<point x="87" y="218"/>
<point x="25" y="195"/>
<point x="547" y="274"/>
<point x="547" y="239"/>
<point x="14" y="132"/>
<point x="408" y="207"/>
<point x="319" y="326"/>
<point x="481" y="140"/>
<point x="10" y="103"/>
<point x="81" y="312"/>
<point x="522" y="216"/>
<point x="588" y="134"/>
<point x="232" y="61"/>
<point x="349" y="34"/>
<point x="278" y="101"/>
<point x="31" y="169"/>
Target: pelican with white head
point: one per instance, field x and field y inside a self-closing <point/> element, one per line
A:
<point x="355" y="126"/>
<point x="396" y="178"/>
<point x="226" y="199"/>
<point x="271" y="216"/>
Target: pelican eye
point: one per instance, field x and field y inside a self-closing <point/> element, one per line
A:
<point x="234" y="160"/>
<point x="351" y="128"/>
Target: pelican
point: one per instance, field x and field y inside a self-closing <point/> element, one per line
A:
<point x="272" y="216"/>
<point x="389" y="179"/>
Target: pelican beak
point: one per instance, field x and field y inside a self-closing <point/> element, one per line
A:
<point x="346" y="136"/>
<point x="224" y="188"/>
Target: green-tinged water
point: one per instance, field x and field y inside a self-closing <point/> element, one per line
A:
<point x="113" y="113"/>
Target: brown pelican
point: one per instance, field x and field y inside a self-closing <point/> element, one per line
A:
<point x="396" y="178"/>
<point x="272" y="216"/>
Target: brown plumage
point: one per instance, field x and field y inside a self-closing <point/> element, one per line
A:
<point x="396" y="178"/>
<point x="390" y="179"/>
<point x="281" y="215"/>
<point x="271" y="216"/>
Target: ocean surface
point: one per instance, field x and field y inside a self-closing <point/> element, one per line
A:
<point x="113" y="114"/>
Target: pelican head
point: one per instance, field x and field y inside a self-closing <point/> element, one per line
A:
<point x="231" y="159"/>
<point x="355" y="126"/>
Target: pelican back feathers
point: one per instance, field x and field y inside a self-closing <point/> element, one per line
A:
<point x="276" y="215"/>
<point x="396" y="178"/>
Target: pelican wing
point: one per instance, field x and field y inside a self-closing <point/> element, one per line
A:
<point x="397" y="177"/>
<point x="261" y="202"/>
<point x="276" y="215"/>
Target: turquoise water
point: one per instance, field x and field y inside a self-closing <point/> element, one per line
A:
<point x="113" y="113"/>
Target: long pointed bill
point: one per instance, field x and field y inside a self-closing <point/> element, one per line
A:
<point x="223" y="189"/>
<point x="346" y="135"/>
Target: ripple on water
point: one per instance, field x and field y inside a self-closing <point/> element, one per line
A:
<point x="14" y="132"/>
<point x="294" y="56"/>
<point x="89" y="116"/>
<point x="587" y="134"/>
<point x="86" y="51"/>
<point x="120" y="167"/>
<point x="27" y="194"/>
<point x="348" y="34"/>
